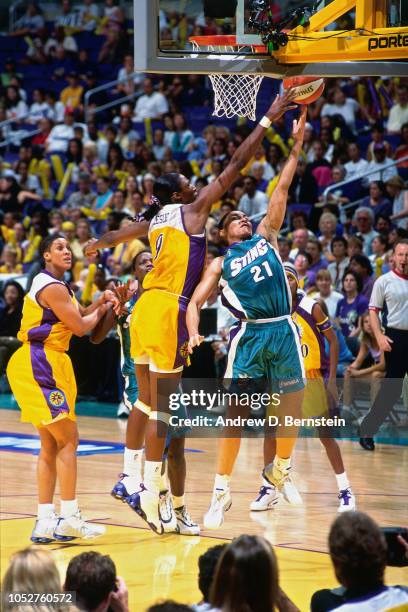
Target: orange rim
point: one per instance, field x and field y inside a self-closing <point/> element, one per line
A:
<point x="229" y="40"/>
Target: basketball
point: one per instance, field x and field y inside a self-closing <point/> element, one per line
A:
<point x="307" y="89"/>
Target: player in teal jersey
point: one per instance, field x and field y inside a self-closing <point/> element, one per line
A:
<point x="264" y="344"/>
<point x="173" y="512"/>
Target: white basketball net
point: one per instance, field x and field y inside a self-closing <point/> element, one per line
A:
<point x="234" y="94"/>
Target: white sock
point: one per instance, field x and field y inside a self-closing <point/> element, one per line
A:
<point x="164" y="483"/>
<point x="45" y="510"/>
<point x="222" y="481"/>
<point x="178" y="501"/>
<point x="152" y="474"/>
<point x="281" y="464"/>
<point x="132" y="462"/>
<point x="342" y="481"/>
<point x="68" y="507"/>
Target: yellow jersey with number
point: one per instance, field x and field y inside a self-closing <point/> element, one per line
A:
<point x="311" y="334"/>
<point x="40" y="325"/>
<point x="178" y="257"/>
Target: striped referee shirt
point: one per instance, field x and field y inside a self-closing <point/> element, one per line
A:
<point x="392" y="289"/>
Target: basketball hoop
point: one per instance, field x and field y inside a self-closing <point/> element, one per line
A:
<point x="234" y="94"/>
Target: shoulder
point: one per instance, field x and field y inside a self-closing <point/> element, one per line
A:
<point x="43" y="281"/>
<point x="307" y="303"/>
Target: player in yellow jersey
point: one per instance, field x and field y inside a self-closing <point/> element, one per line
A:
<point x="42" y="380"/>
<point x="175" y="224"/>
<point x="314" y="326"/>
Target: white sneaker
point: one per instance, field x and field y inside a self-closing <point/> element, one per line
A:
<point x="220" y="503"/>
<point x="146" y="504"/>
<point x="347" y="501"/>
<point x="43" y="532"/>
<point x="268" y="497"/>
<point x="185" y="523"/>
<point x="76" y="526"/>
<point x="281" y="479"/>
<point x="166" y="512"/>
<point x="123" y="410"/>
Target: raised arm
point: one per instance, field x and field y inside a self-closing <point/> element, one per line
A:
<point x="275" y="214"/>
<point x="111" y="239"/>
<point x="57" y="298"/>
<point x="205" y="287"/>
<point x="196" y="214"/>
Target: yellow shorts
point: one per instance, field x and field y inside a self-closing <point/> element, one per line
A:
<point x="315" y="396"/>
<point x="158" y="331"/>
<point x="43" y="382"/>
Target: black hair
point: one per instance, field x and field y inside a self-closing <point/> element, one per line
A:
<point x="92" y="576"/>
<point x="45" y="244"/>
<point x="13" y="283"/>
<point x="308" y="257"/>
<point x="136" y="257"/>
<point x="339" y="239"/>
<point x="206" y="566"/>
<point x="163" y="190"/>
<point x="169" y="606"/>
<point x="357" y="278"/>
<point x="364" y="262"/>
<point x="77" y="158"/>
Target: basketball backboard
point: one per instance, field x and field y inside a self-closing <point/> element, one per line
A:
<point x="162" y="29"/>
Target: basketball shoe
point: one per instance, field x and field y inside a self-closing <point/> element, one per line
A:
<point x="268" y="497"/>
<point x="347" y="501"/>
<point x="76" y="526"/>
<point x="119" y="491"/>
<point x="146" y="504"/>
<point x="220" y="503"/>
<point x="43" y="532"/>
<point x="280" y="478"/>
<point x="166" y="511"/>
<point x="185" y="523"/>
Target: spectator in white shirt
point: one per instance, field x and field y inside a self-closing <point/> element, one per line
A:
<point x="31" y="22"/>
<point x="379" y="163"/>
<point x="346" y="107"/>
<point x="364" y="221"/>
<point x="39" y="109"/>
<point x="399" y="112"/>
<point x="69" y="17"/>
<point x="151" y="105"/>
<point x="128" y="70"/>
<point x="326" y="293"/>
<point x="357" y="166"/>
<point x="253" y="201"/>
<point x="16" y="108"/>
<point x="88" y="16"/>
<point x="56" y="108"/>
<point x="61" y="134"/>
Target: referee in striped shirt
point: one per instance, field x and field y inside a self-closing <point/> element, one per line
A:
<point x="390" y="290"/>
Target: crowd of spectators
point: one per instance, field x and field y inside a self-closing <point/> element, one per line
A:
<point x="242" y="576"/>
<point x="84" y="172"/>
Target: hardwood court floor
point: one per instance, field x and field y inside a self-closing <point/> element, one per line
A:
<point x="160" y="567"/>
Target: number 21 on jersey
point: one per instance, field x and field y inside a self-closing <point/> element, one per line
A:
<point x="258" y="274"/>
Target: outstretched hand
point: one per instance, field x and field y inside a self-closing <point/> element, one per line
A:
<point x="281" y="104"/>
<point x="298" y="129"/>
<point x="89" y="249"/>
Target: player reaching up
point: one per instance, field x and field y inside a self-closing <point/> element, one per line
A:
<point x="175" y="224"/>
<point x="320" y="396"/>
<point x="264" y="343"/>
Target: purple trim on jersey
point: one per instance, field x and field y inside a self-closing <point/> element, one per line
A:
<point x="42" y="372"/>
<point x="324" y="362"/>
<point x="182" y="336"/>
<point x="196" y="259"/>
<point x="237" y="313"/>
<point x="41" y="333"/>
<point x="233" y="332"/>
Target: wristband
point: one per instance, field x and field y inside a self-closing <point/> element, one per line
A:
<point x="265" y="122"/>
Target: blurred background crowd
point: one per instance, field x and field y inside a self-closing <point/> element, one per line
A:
<point x="81" y="161"/>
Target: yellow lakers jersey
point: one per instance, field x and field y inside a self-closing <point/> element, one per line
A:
<point x="40" y="325"/>
<point x="178" y="257"/>
<point x="311" y="333"/>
